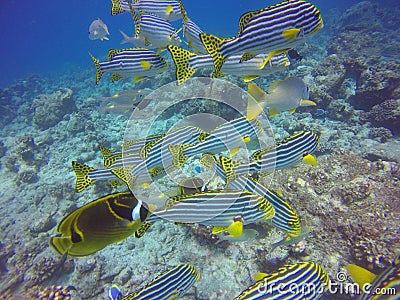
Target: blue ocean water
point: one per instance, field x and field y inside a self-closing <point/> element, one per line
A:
<point x="53" y="36"/>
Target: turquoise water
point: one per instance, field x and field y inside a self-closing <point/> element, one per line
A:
<point x="53" y="113"/>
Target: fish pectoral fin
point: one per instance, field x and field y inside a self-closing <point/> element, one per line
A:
<point x="360" y="275"/>
<point x="291" y="34"/>
<point x="255" y="103"/>
<point x="236" y="229"/>
<point x="273" y="112"/>
<point x="292" y="110"/>
<point x="309" y="159"/>
<point x="305" y="102"/>
<point x="138" y="78"/>
<point x="145" y="64"/>
<point x="258" y="276"/>
<point x="219" y="229"/>
<point x="249" y="78"/>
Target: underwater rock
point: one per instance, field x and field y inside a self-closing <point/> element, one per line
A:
<point x="386" y="114"/>
<point x="27" y="176"/>
<point x="49" y="109"/>
<point x="365" y="14"/>
<point x="380" y="134"/>
<point x="25" y="148"/>
<point x="42" y="225"/>
<point x="389" y="151"/>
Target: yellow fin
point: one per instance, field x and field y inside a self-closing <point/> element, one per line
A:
<point x="116" y="7"/>
<point x="270" y="55"/>
<point x="213" y="46"/>
<point x="279" y="193"/>
<point x="290" y="34"/>
<point x="218" y="229"/>
<point x="116" y="77"/>
<point x="246" y="139"/>
<point x="61" y="244"/>
<point x="255" y="105"/>
<point x="249" y="78"/>
<point x="273" y="112"/>
<point x="138" y="78"/>
<point x="142" y="229"/>
<point x="292" y="110"/>
<point x="169" y="9"/>
<point x="304" y="102"/>
<point x="258" y="276"/>
<point x="360" y="275"/>
<point x="181" y="58"/>
<point x="146" y="185"/>
<point x="233" y="151"/>
<point x="310" y="160"/>
<point x="96" y="62"/>
<point x="247" y="56"/>
<point x="236" y="229"/>
<point x="82" y="176"/>
<point x="145" y="64"/>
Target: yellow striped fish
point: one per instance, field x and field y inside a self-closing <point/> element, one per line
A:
<point x="305" y="280"/>
<point x="106" y="220"/>
<point x="274" y="29"/>
<point x="187" y="63"/>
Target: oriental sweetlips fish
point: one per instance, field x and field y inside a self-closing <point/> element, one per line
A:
<point x="283" y="95"/>
<point x="137" y="62"/>
<point x="187" y="63"/>
<point x="109" y="219"/>
<point x="291" y="151"/>
<point x="383" y="286"/>
<point x="285" y="217"/>
<point x="172" y="284"/>
<point x="225" y="210"/>
<point x="228" y="136"/>
<point x="167" y="9"/>
<point x="274" y="29"/>
<point x="305" y="280"/>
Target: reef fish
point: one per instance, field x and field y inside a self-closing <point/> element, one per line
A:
<point x="106" y="220"/>
<point x="247" y="234"/>
<point x="309" y="280"/>
<point x="172" y="284"/>
<point x="274" y="29"/>
<point x="187" y="63"/>
<point x="283" y="95"/>
<point x="167" y="9"/>
<point x="98" y="30"/>
<point x="137" y="41"/>
<point x="229" y="135"/>
<point x="386" y="285"/>
<point x="191" y="32"/>
<point x="225" y="210"/>
<point x="137" y="62"/>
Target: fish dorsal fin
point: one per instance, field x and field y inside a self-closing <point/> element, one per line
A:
<point x="110" y="160"/>
<point x="259" y="276"/>
<point x="142" y="229"/>
<point x="123" y="174"/>
<point x="105" y="151"/>
<point x="360" y="275"/>
<point x="112" y="53"/>
<point x="171" y="202"/>
<point x="245" y="18"/>
<point x="247" y="56"/>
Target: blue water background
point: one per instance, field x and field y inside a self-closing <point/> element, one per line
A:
<point x="42" y="37"/>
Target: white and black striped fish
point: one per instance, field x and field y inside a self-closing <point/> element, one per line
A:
<point x="305" y="280"/>
<point x="187" y="63"/>
<point x="274" y="29"/>
<point x="172" y="284"/>
<point x="225" y="210"/>
<point x="167" y="9"/>
<point x="228" y="136"/>
<point x="86" y="175"/>
<point x="137" y="62"/>
<point x="285" y="217"/>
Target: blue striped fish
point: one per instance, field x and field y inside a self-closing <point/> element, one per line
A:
<point x="226" y="210"/>
<point x="172" y="284"/>
<point x="285" y="217"/>
<point x="87" y="176"/>
<point x="191" y="31"/>
<point x="274" y="29"/>
<point x="305" y="280"/>
<point x="137" y="62"/>
<point x="158" y="157"/>
<point x="167" y="9"/>
<point x="229" y="135"/>
<point x="291" y="151"/>
<point x="187" y="63"/>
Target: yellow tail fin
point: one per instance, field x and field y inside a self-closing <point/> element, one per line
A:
<point x="181" y="60"/>
<point x="82" y="176"/>
<point x="99" y="73"/>
<point x="213" y="47"/>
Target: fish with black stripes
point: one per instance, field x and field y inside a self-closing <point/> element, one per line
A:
<point x="172" y="284"/>
<point x="304" y="280"/>
<point x="136" y="62"/>
<point x="285" y="218"/>
<point x="230" y="135"/>
<point x="274" y="29"/>
<point x="187" y="64"/>
<point x="104" y="221"/>
<point x="167" y="9"/>
<point x="224" y="210"/>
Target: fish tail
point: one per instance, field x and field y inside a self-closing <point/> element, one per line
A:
<point x="96" y="62"/>
<point x="177" y="153"/>
<point x="116" y="7"/>
<point x="213" y="47"/>
<point x="181" y="58"/>
<point x="125" y="39"/>
<point x="61" y="245"/>
<point x="82" y="176"/>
